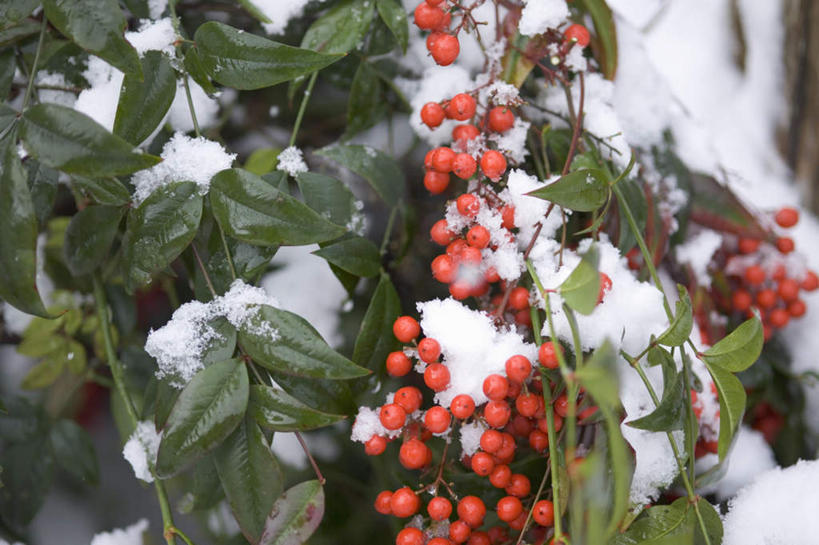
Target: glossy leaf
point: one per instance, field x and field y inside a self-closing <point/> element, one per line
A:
<point x="12" y="11"/>
<point x="223" y="345"/>
<point x="28" y="471"/>
<point x="245" y="61"/>
<point x="364" y="107"/>
<point x="732" y="400"/>
<point x="375" y="339"/>
<point x="196" y="70"/>
<point x="330" y="198"/>
<point x="42" y="183"/>
<point x="158" y="230"/>
<point x="143" y="102"/>
<point x="89" y="237"/>
<point x="582" y="288"/>
<point x="661" y="525"/>
<point x="97" y="26"/>
<point x="262" y="161"/>
<point x="341" y="28"/>
<point x="712" y="522"/>
<point x="380" y="170"/>
<point x="395" y="17"/>
<point x="206" y="412"/>
<point x="250" y="477"/>
<point x="740" y="349"/>
<point x="250" y="209"/>
<point x="329" y="396"/>
<point x="276" y="410"/>
<point x="18" y="32"/>
<point x="103" y="190"/>
<point x="680" y="329"/>
<point x="74" y="451"/>
<point x="582" y="190"/>
<point x="670" y="413"/>
<point x="295" y="516"/>
<point x="354" y="254"/>
<point x="67" y="140"/>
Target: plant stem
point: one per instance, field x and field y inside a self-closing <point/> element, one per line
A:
<point x="33" y="73"/>
<point x="178" y="30"/>
<point x="388" y="231"/>
<point x="313" y="463"/>
<point x="187" y="85"/>
<point x="227" y="251"/>
<point x="577" y="126"/>
<point x="118" y="374"/>
<point x="202" y="268"/>
<point x="307" y="94"/>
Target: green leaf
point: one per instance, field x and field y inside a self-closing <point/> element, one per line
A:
<point x="740" y="349"/>
<point x="89" y="237"/>
<point x="354" y="254"/>
<point x="731" y="406"/>
<point x="605" y="43"/>
<point x="104" y="190"/>
<point x="250" y="477"/>
<point x="582" y="190"/>
<point x="661" y="525"/>
<point x="394" y="16"/>
<point x="196" y="70"/>
<point x="97" y="26"/>
<point x="262" y="161"/>
<point x="206" y="412"/>
<point x="18" y="32"/>
<point x="67" y="140"/>
<point x="295" y="516"/>
<point x="717" y="207"/>
<point x="380" y="170"/>
<point x="74" y="451"/>
<point x="7" y="68"/>
<point x="250" y="209"/>
<point x="12" y="11"/>
<point x="45" y="372"/>
<point x="680" y="329"/>
<point x="28" y="471"/>
<point x="158" y="230"/>
<point x="341" y="28"/>
<point x="375" y="339"/>
<point x="143" y="102"/>
<point x="296" y="348"/>
<point x="245" y="61"/>
<point x="255" y="11"/>
<point x="76" y="357"/>
<point x="206" y="491"/>
<point x="582" y="288"/>
<point x="330" y="198"/>
<point x="278" y="411"/>
<point x="670" y="413"/>
<point x="223" y="345"/>
<point x="364" y="107"/>
<point x="18" y="244"/>
<point x="328" y="396"/>
<point x="712" y="523"/>
<point x="42" y="182"/>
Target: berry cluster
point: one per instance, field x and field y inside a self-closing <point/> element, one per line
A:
<point x="442" y="42"/>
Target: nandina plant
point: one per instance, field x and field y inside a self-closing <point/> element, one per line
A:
<point x="599" y="328"/>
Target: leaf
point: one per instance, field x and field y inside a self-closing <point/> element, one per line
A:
<point x="250" y="477"/>
<point x="394" y="16"/>
<point x="582" y="288"/>
<point x="18" y="244"/>
<point x="295" y="348"/>
<point x="89" y="237"/>
<point x="104" y="190"/>
<point x="250" y="209"/>
<point x="206" y="491"/>
<point x="680" y="329"/>
<point x="380" y="170"/>
<point x="255" y="11"/>
<point x="67" y="140"/>
<point x="717" y="207"/>
<point x="74" y="451"/>
<point x="582" y="190"/>
<point x="28" y="471"/>
<point x="76" y="357"/>
<point x="354" y="254"/>
<point x="328" y="396"/>
<point x="158" y="230"/>
<point x="330" y="198"/>
<point x="262" y="161"/>
<point x="712" y="523"/>
<point x="97" y="26"/>
<point x="15" y="33"/>
<point x="375" y="339"/>
<point x="245" y="61"/>
<point x="740" y="349"/>
<point x="670" y="413"/>
<point x="223" y="345"/>
<point x="278" y="411"/>
<point x="14" y="10"/>
<point x="661" y="525"/>
<point x="295" y="516"/>
<point x="143" y="102"/>
<point x="341" y="28"/>
<point x="196" y="70"/>
<point x="731" y="406"/>
<point x="46" y="372"/>
<point x="7" y="68"/>
<point x="364" y="106"/>
<point x="206" y="412"/>
<point x="42" y="183"/>
<point x="605" y="43"/>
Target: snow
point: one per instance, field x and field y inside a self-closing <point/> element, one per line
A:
<point x="156" y="35"/>
<point x="367" y="424"/>
<point x="471" y="345"/>
<point x="529" y="210"/>
<point x="99" y="102"/>
<point x="575" y="60"/>
<point x="750" y="456"/>
<point x="471" y="436"/>
<point x="437" y="83"/>
<point x="156" y="8"/>
<point x="179" y="345"/>
<point x="206" y="108"/>
<point x="513" y="142"/>
<point x="132" y="535"/>
<point x="184" y="159"/>
<point x="63" y="98"/>
<point x="538" y="16"/>
<point x="502" y="93"/>
<point x="697" y="251"/>
<point x="778" y="508"/>
<point x="280" y="13"/>
<point x="291" y="161"/>
<point x="141" y="449"/>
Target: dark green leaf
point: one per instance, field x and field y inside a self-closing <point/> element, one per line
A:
<point x="582" y="288"/>
<point x="731" y="406"/>
<point x="605" y="43"/>
<point x="89" y="237"/>
<point x="354" y="254"/>
<point x="28" y="471"/>
<point x="158" y="230"/>
<point x="330" y="198"/>
<point x="380" y="170"/>
<point x="582" y="190"/>
<point x="143" y="102"/>
<point x="631" y="192"/>
<point x="223" y="345"/>
<point x="661" y="525"/>
<point x="67" y="140"/>
<point x="104" y="190"/>
<point x="341" y="28"/>
<point x="18" y="243"/>
<point x="329" y="396"/>
<point x="206" y="491"/>
<point x="712" y="523"/>
<point x="250" y="477"/>
<point x="394" y="16"/>
<point x="196" y="70"/>
<point x="206" y="412"/>
<point x="278" y="411"/>
<point x="166" y="396"/>
<point x="364" y="107"/>
<point x="680" y="329"/>
<point x="670" y="413"/>
<point x="375" y="338"/>
<point x="250" y="209"/>
<point x="42" y="182"/>
<point x="295" y="349"/>
<point x="740" y="349"/>
<point x="97" y="26"/>
<point x="7" y="67"/>
<point x="295" y="516"/>
<point x="12" y="11"/>
<point x="20" y="31"/>
<point x="251" y="8"/>
<point x="245" y="61"/>
<point x="74" y="450"/>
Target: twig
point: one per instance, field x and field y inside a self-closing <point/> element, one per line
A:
<point x="313" y="463"/>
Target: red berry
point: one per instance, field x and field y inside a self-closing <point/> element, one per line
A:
<point x="519" y="486"/>
<point x="409" y="398"/>
<point x="509" y="508"/>
<point x="459" y="531"/>
<point x="561" y="405"/>
<point x="493" y="164"/>
<point x="413" y="454"/>
<point x="461" y="107"/>
<point x="495" y="387"/>
<point x="456" y="247"/>
<point x="404" y="503"/>
<point x="392" y="416"/>
<point x="428" y="17"/>
<point x="460" y="290"/>
<point x="501" y="119"/>
<point x="375" y="445"/>
<point x="429" y="350"/>
<point x="436" y="377"/>
<point x="478" y="236"/>
<point x="538" y="440"/>
<point x="439" y="541"/>
<point x="519" y="298"/>
<point x="766" y="298"/>
<point x="436" y="182"/>
<point x="527" y="404"/>
<point x="518" y="368"/>
<point x="443" y="269"/>
<point x="439" y="508"/>
<point x="464" y="166"/>
<point x="491" y="441"/>
<point x="501" y="476"/>
<point x="547" y="355"/>
<point x="788" y="290"/>
<point x="748" y="245"/>
<point x="810" y="282"/>
<point x="497" y="413"/>
<point x="468" y="205"/>
<point x="442" y="159"/>
<point x="462" y="406"/>
<point x="440" y="233"/>
<point x="741" y="300"/>
<point x="444" y="49"/>
<point x="544" y="513"/>
<point x="779" y="318"/>
<point x="437" y="419"/>
<point x="754" y="275"/>
<point x="479" y="538"/>
<point x="797" y="308"/>
<point x="406" y="329"/>
<point x="508" y="216"/>
<point x="787" y="217"/>
<point x="482" y="463"/>
<point x="471" y="510"/>
<point x="470" y="255"/>
<point x="432" y="114"/>
<point x="382" y="502"/>
<point x="605" y="287"/>
<point x="434" y="2"/>
<point x="410" y="536"/>
<point x="398" y="364"/>
<point x="785" y="245"/>
<point x="577" y="33"/>
<point x="465" y="132"/>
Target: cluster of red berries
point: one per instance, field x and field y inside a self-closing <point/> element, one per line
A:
<point x="441" y="44"/>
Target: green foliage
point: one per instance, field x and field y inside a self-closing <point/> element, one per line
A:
<point x="144" y="101"/>
<point x="295" y="515"/>
<point x="375" y="338"/>
<point x="739" y="350"/>
<point x="582" y="287"/>
<point x="275" y="410"/>
<point x="680" y="329"/>
<point x="582" y="190"/>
